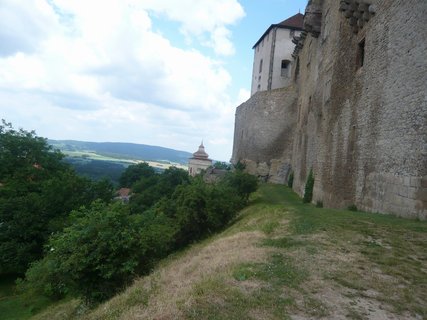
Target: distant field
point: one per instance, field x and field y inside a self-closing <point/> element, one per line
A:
<point x="120" y="151"/>
<point x="89" y="155"/>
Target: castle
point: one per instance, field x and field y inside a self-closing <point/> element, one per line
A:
<point x="353" y="108"/>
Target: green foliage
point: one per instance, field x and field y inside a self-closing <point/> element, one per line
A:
<point x="243" y="183"/>
<point x="150" y="189"/>
<point x="291" y="179"/>
<point x="105" y="246"/>
<point x="240" y="166"/>
<point x="134" y="173"/>
<point x="352" y="208"/>
<point x="221" y="165"/>
<point x="97" y="169"/>
<point x="95" y="256"/>
<point x="308" y="190"/>
<point x="279" y="271"/>
<point x="36" y="194"/>
<point x="319" y="204"/>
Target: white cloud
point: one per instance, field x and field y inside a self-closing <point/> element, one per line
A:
<point x="97" y="70"/>
<point x="244" y="95"/>
<point x="200" y="17"/>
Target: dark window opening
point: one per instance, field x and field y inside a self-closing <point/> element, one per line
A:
<point x="260" y="66"/>
<point x="361" y="54"/>
<point x="285" y="68"/>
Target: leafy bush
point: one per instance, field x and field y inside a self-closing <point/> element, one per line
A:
<point x="242" y="183"/>
<point x="291" y="179"/>
<point x="97" y="254"/>
<point x="106" y="246"/>
<point x="308" y="190"/>
<point x="222" y="165"/>
<point x="352" y="208"/>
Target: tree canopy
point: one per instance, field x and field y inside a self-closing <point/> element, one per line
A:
<point x="37" y="192"/>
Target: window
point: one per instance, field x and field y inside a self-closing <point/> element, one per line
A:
<point x="361" y="54"/>
<point x="259" y="87"/>
<point x="285" y="68"/>
<point x="291" y="34"/>
<point x="260" y="66"/>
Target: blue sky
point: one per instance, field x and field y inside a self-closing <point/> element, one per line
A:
<point x="158" y="72"/>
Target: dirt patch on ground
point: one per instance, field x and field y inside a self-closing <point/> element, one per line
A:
<point x="346" y="283"/>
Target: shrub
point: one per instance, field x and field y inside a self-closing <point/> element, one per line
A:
<point x="242" y="183"/>
<point x="96" y="256"/>
<point x="319" y="204"/>
<point x="352" y="207"/>
<point x="308" y="190"/>
<point x="291" y="179"/>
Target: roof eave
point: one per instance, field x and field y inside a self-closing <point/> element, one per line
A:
<point x="276" y="26"/>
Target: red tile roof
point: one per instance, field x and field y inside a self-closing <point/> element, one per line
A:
<point x="295" y="22"/>
<point x="123" y="192"/>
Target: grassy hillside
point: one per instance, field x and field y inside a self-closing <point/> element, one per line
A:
<point x="119" y="150"/>
<point x="283" y="259"/>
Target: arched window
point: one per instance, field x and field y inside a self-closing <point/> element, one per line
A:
<point x="284" y="72"/>
<point x="260" y="66"/>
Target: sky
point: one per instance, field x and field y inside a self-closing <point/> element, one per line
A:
<point x="158" y="72"/>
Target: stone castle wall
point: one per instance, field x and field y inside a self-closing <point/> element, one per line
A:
<point x="263" y="133"/>
<point x="361" y="128"/>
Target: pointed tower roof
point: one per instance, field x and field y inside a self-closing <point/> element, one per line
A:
<point x="200" y="153"/>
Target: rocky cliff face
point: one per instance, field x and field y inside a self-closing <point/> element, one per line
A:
<point x="356" y="113"/>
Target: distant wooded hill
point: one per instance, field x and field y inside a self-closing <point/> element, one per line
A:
<point x="123" y="150"/>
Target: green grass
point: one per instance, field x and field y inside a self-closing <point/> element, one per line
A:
<point x="14" y="306"/>
<point x="395" y="246"/>
<point x="278" y="271"/>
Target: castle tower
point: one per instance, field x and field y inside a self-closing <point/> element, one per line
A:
<point x="273" y="54"/>
<point x="200" y="161"/>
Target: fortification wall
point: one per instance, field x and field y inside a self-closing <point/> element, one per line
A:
<point x="263" y="133"/>
<point x="361" y="128"/>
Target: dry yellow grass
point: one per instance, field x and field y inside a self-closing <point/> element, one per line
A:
<point x="172" y="285"/>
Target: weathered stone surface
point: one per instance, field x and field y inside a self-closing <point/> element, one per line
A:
<point x="359" y="121"/>
<point x="264" y="126"/>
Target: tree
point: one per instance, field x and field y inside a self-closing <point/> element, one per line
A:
<point x="149" y="190"/>
<point x="134" y="173"/>
<point x="37" y="192"/>
<point x="221" y="165"/>
<point x="243" y="183"/>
